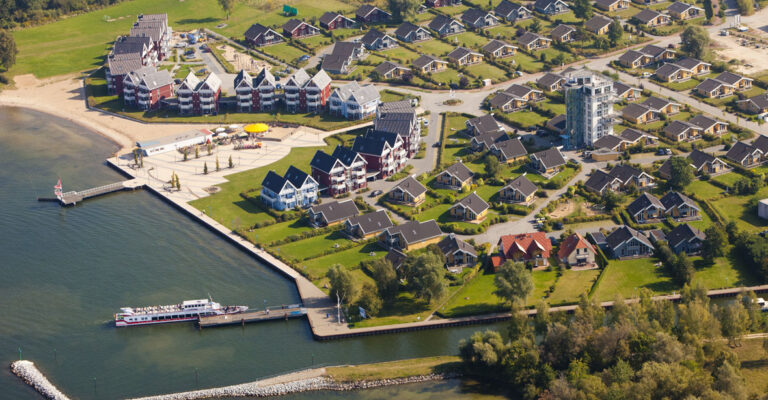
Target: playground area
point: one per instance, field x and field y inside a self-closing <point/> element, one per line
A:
<point x="574" y="208"/>
<point x="242" y="61"/>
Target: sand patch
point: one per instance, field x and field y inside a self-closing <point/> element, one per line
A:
<point x="242" y="61"/>
<point x="752" y="59"/>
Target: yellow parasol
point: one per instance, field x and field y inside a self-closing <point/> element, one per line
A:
<point x="256" y="128"/>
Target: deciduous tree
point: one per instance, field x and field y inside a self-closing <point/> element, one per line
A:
<point x="385" y="277"/>
<point x="615" y="32"/>
<point x="695" y="41"/>
<point x="681" y="173"/>
<point x="343" y="287"/>
<point x="227" y="6"/>
<point x="8" y="50"/>
<point x="583" y="9"/>
<point x="402" y="9"/>
<point x="746" y="7"/>
<point x="715" y="243"/>
<point x="513" y="283"/>
<point x="428" y="277"/>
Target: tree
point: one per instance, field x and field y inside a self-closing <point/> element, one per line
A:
<point x="583" y="9"/>
<point x="227" y="6"/>
<point x="369" y="300"/>
<point x="483" y="353"/>
<point x="715" y="243"/>
<point x="427" y="276"/>
<point x="217" y="163"/>
<point x="463" y="82"/>
<point x="385" y="277"/>
<point x="231" y="164"/>
<point x="615" y="32"/>
<point x="513" y="283"/>
<point x="205" y="168"/>
<point x="402" y="9"/>
<point x="535" y="27"/>
<point x="343" y="287"/>
<point x="695" y="41"/>
<point x="734" y="321"/>
<point x="178" y="184"/>
<point x="492" y="166"/>
<point x="611" y="200"/>
<point x="8" y="50"/>
<point x="709" y="12"/>
<point x="197" y="151"/>
<point x="681" y="173"/>
<point x="746" y="7"/>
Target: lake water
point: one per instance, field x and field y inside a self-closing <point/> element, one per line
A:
<point x="65" y="271"/>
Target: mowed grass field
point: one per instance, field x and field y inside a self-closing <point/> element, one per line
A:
<point x="79" y="43"/>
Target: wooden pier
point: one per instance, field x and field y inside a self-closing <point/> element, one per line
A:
<point x="293" y="311"/>
<point x="71" y="198"/>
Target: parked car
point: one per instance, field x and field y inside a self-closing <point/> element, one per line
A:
<point x="376" y="193"/>
<point x="519" y="73"/>
<point x="305" y="57"/>
<point x="426" y="122"/>
<point x="646" y="74"/>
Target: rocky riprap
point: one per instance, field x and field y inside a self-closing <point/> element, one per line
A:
<point x="27" y="371"/>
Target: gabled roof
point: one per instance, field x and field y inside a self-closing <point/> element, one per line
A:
<point x="653" y="50"/>
<point x="366" y="9"/>
<point x="605" y="3"/>
<point x="151" y="77"/>
<point x="460" y="171"/>
<point x="684" y="233"/>
<point x="608" y="142"/>
<point x="705" y="122"/>
<point x="550" y="157"/>
<point x="631" y="56"/>
<point x="562" y="30"/>
<point x="520" y="91"/>
<point x="461" y="52"/>
<point x="623" y="234"/>
<point x="669" y="69"/>
<point x="426" y="59"/>
<point x="452" y="244"/>
<point x="761" y="143"/>
<point x="502" y="98"/>
<point x="346" y="155"/>
<point x="297" y="177"/>
<point x="676" y="128"/>
<point x="441" y="21"/>
<point x="473" y="202"/>
<point x="657" y="103"/>
<point x="710" y="84"/>
<point x="549" y="79"/>
<point x="622" y="88"/>
<point x="644" y="201"/>
<point x="411" y="186"/>
<point x="395" y="258"/>
<point x="674" y="199"/>
<point x="131" y="44"/>
<point x="740" y="150"/>
<point x="353" y="91"/>
<point x="632" y="135"/>
<point x="530" y="37"/>
<point x="731" y="78"/>
<point x="323" y="161"/>
<point x="597" y="22"/>
<point x="690" y="63"/>
<point x="473" y="14"/>
<point x="484" y="124"/>
<point x="346" y="49"/>
<point x="680" y="7"/>
<point x="333" y="62"/>
<point x="573" y="242"/>
<point x="512" y="148"/>
<point x="522" y="185"/>
<point x="647" y="15"/>
<point x="406" y="28"/>
<point x="274" y="182"/>
<point x="320" y="79"/>
<point x="328" y="17"/>
<point x="599" y="180"/>
<point x="298" y="79"/>
<point x="625" y="173"/>
<point x="388" y="66"/>
<point x="335" y="211"/>
<point x="212" y="81"/>
<point x="415" y="231"/>
<point x="635" y="110"/>
<point x="371" y="222"/>
<point x="372" y="36"/>
<point x="760" y="101"/>
<point x="488" y="139"/>
<point x="526" y="242"/>
<point x="699" y="158"/>
<point x="243" y="77"/>
<point x="369" y="145"/>
<point x="123" y="64"/>
<point x="264" y="76"/>
<point x="506" y="7"/>
<point x="257" y="30"/>
<point x="544" y="4"/>
<point x="293" y="24"/>
<point x="495" y="45"/>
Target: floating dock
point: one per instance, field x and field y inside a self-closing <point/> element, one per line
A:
<point x="292" y="311"/>
<point x="73" y="197"/>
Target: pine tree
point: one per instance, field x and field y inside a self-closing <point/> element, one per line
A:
<point x="178" y="184"/>
<point x="205" y="168"/>
<point x="217" y="163"/>
<point x="210" y="147"/>
<point x="231" y="164"/>
<point x="186" y="151"/>
<point x="197" y="152"/>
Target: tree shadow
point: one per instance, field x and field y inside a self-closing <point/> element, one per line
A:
<point x="197" y="21"/>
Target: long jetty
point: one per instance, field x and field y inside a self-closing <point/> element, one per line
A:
<point x="71" y="198"/>
<point x="269" y="314"/>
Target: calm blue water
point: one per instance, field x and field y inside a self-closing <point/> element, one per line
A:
<point x="65" y="271"/>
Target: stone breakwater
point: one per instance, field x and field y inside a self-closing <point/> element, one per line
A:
<point x="254" y="389"/>
<point x="27" y="371"/>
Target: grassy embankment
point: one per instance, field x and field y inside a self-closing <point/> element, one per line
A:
<point x="394" y="369"/>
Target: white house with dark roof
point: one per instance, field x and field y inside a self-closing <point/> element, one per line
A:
<point x="551" y="7"/>
<point x="353" y="101"/>
<point x="408" y="32"/>
<point x="295" y="189"/>
<point x="512" y="12"/>
<point x="445" y="26"/>
<point x="378" y="40"/>
<point x="479" y="19"/>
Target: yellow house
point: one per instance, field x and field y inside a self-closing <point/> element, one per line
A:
<point x="612" y="5"/>
<point x="411" y="235"/>
<point x="471" y="209"/>
<point x="639" y="114"/>
<point x="598" y="24"/>
<point x="409" y="191"/>
<point x="427" y="63"/>
<point x="520" y="190"/>
<point x="465" y="56"/>
<point x="455" y="177"/>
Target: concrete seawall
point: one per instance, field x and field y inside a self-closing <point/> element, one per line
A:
<point x="27" y="371"/>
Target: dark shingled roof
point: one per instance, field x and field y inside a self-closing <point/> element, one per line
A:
<point x="605" y="3"/>
<point x="371" y="222"/>
<point x="506" y="7"/>
<point x="460" y="171"/>
<point x="548" y="80"/>
<point x="273" y="182"/>
<point x="368" y="145"/>
<point x="599" y="180"/>
<point x="550" y="157"/>
<point x="621" y="88"/>
<point x="472" y="15"/>
<point x="761" y="142"/>
<point x="494" y="45"/>
<point x="131" y="44"/>
<point x="439" y="22"/>
<point x="257" y="30"/>
<point x="366" y="9"/>
<point x="123" y="64"/>
<point x="335" y="211"/>
<point x="296" y="176"/>
<point x="634" y="110"/>
<point x="344" y="154"/>
<point x="411" y="186"/>
<point x="473" y="202"/>
<point x="372" y="35"/>
<point x="689" y="63"/>
<point x="460" y="52"/>
<point x="739" y="151"/>
<point x="703" y="121"/>
<point x="673" y="199"/>
<point x="395" y="258"/>
<point x="679" y="7"/>
<point x="530" y="37"/>
<point x="676" y="128"/>
<point x="597" y="22"/>
<point x="625" y="172"/>
<point x="426" y="59"/>
<point x="405" y="29"/>
<point x="322" y="161"/>
<point x="292" y="24"/>
<point x="646" y="16"/>
<point x="415" y="231"/>
<point x="699" y="158"/>
<point x="731" y="78"/>
<point x="328" y="17"/>
<point x="387" y="66"/>
<point x="488" y="139"/>
<point x="512" y="148"/>
<point x="684" y="233"/>
<point x="710" y="84"/>
<point x="669" y="69"/>
<point x="642" y="202"/>
<point x="624" y="233"/>
<point x="608" y="142"/>
<point x="484" y="124"/>
<point x="562" y="30"/>
<point x="519" y="90"/>
<point x="451" y="244"/>
<point x="500" y="99"/>
<point x="522" y="185"/>
<point x="631" y="135"/>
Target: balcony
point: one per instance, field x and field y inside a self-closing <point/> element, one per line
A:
<point x="243" y="91"/>
<point x="401" y="153"/>
<point x="184" y="92"/>
<point x="336" y="179"/>
<point x="313" y="98"/>
<point x="206" y="93"/>
<point x="143" y="95"/>
<point x="206" y="100"/>
<point x="185" y="106"/>
<point x="358" y="174"/>
<point x="246" y="97"/>
<point x="129" y="98"/>
<point x="357" y="164"/>
<point x="337" y="171"/>
<point x="292" y="95"/>
<point x="244" y="105"/>
<point x="341" y="186"/>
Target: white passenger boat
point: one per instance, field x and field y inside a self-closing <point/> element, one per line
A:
<point x="189" y="310"/>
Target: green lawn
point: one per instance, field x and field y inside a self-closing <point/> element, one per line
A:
<point x="317" y="41"/>
<point x="312" y="247"/>
<point x="435" y="47"/>
<point x="704" y="189"/>
<point x="80" y="42"/>
<point x="488" y="71"/>
<point x="626" y="276"/>
<point x="681" y="86"/>
<point x="399" y="54"/>
<point x="527" y="118"/>
<point x="728" y="179"/>
<point x="284" y="52"/>
<point x="281" y="230"/>
<point x="528" y="63"/>
<point x="571" y="285"/>
<point x="724" y="272"/>
<point x="350" y="259"/>
<point x="446" y="77"/>
<point x="734" y="208"/>
<point x="476" y="297"/>
<point x="469" y="40"/>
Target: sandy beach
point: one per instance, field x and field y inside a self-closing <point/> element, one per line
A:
<point x="64" y="97"/>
